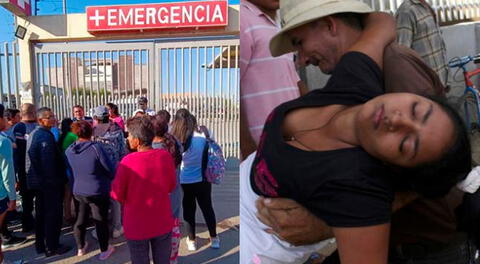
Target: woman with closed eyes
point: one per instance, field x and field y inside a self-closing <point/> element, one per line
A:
<point x="342" y="152"/>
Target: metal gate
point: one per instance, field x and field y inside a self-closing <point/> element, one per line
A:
<point x="200" y="75"/>
<point x="9" y="75"/>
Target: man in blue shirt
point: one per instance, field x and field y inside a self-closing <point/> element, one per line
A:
<point x="47" y="178"/>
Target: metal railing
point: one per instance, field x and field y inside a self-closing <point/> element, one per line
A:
<point x="447" y="11"/>
<point x="201" y="76"/>
<point x="9" y="75"/>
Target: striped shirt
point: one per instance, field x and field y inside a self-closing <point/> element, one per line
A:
<point x="418" y="29"/>
<point x="265" y="81"/>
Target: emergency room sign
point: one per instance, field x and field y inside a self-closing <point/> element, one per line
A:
<point x="157" y="16"/>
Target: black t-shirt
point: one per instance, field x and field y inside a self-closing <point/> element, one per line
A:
<point x="344" y="187"/>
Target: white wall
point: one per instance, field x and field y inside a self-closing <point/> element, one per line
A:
<point x="461" y="40"/>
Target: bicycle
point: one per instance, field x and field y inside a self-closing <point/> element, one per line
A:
<point x="460" y="63"/>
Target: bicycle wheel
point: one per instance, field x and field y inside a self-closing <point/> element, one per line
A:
<point x="471" y="109"/>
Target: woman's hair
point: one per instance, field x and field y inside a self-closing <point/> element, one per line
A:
<point x="114" y="108"/>
<point x="65" y="126"/>
<point x="160" y="125"/>
<point x="183" y="125"/>
<point x="141" y="128"/>
<point x="82" y="129"/>
<point x="165" y="114"/>
<point x="436" y="178"/>
<point x="102" y="119"/>
<point x="204" y="130"/>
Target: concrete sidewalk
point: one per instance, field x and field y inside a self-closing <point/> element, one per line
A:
<point x="226" y="204"/>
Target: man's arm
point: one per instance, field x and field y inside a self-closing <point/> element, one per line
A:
<point x="363" y="245"/>
<point x="48" y="161"/>
<point x="378" y="32"/>
<point x="247" y="144"/>
<point x="120" y="184"/>
<point x="293" y="223"/>
<point x="8" y="174"/>
<point x="302" y="88"/>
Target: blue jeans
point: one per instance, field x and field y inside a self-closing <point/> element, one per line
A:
<point x="161" y="248"/>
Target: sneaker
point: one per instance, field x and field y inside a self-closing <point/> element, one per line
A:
<point x="191" y="245"/>
<point x="215" y="242"/>
<point x="117" y="232"/>
<point x="83" y="251"/>
<point x="13" y="242"/>
<point x="106" y="254"/>
<point x="94" y="234"/>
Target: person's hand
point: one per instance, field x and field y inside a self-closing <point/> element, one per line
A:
<point x="291" y="222"/>
<point x="12" y="205"/>
<point x="17" y="186"/>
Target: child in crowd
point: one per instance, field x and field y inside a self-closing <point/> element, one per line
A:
<point x="142" y="184"/>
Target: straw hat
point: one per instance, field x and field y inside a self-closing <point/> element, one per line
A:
<point x="295" y="13"/>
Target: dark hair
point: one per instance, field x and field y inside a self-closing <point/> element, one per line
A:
<point x="141" y="128"/>
<point x="160" y="125"/>
<point x="435" y="179"/>
<point x="82" y="129"/>
<point x="77" y="106"/>
<point x="42" y="110"/>
<point x="183" y="125"/>
<point x="102" y="119"/>
<point x="204" y="130"/>
<point x="11" y="113"/>
<point x="113" y="107"/>
<point x="165" y="114"/>
<point x="2" y="110"/>
<point x="353" y="20"/>
<point x="65" y="127"/>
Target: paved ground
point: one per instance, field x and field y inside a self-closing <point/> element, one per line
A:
<point x="226" y="204"/>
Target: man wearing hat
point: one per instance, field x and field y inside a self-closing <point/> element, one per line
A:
<point x="321" y="31"/>
<point x="142" y="103"/>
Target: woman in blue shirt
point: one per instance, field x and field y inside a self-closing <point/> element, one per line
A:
<point x="195" y="187"/>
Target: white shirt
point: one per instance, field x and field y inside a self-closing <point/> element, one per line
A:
<point x="258" y="246"/>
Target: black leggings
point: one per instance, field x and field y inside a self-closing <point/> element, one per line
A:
<point x="200" y="192"/>
<point x="98" y="205"/>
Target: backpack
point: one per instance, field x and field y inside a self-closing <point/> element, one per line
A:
<point x="113" y="142"/>
<point x="215" y="168"/>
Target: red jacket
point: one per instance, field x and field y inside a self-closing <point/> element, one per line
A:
<point x="142" y="185"/>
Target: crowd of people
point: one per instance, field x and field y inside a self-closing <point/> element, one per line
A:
<point x="124" y="177"/>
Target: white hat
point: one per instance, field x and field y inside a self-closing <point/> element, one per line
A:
<point x="295" y="13"/>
